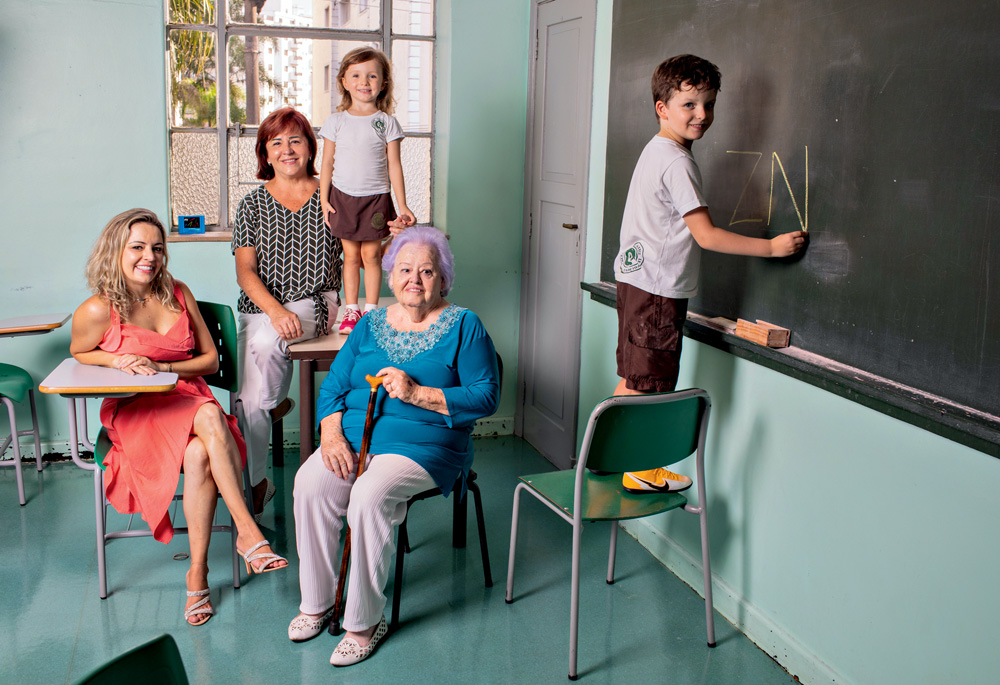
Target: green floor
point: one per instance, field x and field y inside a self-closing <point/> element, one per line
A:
<point x="646" y="628"/>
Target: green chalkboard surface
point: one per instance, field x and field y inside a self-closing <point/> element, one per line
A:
<point x="874" y="125"/>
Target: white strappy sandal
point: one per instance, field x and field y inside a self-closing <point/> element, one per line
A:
<point x="199" y="607"/>
<point x="267" y="557"/>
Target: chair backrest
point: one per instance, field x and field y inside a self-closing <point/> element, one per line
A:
<point x="639" y="432"/>
<point x="157" y="662"/>
<point x="222" y="326"/>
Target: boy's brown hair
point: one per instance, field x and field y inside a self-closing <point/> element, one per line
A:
<point x="676" y="71"/>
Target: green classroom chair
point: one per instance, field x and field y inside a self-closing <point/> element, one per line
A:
<point x="157" y="662"/>
<point x="625" y="433"/>
<point x="222" y="326"/>
<point x="15" y="386"/>
<point x="459" y="526"/>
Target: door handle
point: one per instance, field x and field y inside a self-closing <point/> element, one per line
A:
<point x="571" y="226"/>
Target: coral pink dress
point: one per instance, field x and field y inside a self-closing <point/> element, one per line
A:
<point x="150" y="433"/>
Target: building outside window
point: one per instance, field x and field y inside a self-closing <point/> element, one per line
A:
<point x="292" y="50"/>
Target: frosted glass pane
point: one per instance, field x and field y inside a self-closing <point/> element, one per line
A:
<point x="242" y="171"/>
<point x="290" y="73"/>
<point x="414" y="17"/>
<point x="194" y="175"/>
<point x="416" y="156"/>
<point x="356" y="14"/>
<point x="192" y="11"/>
<point x="413" y="70"/>
<point x="192" y="78"/>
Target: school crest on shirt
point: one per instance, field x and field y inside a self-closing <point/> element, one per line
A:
<point x="631" y="259"/>
<point x="379" y="126"/>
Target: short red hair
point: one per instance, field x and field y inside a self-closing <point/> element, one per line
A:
<point x="275" y="123"/>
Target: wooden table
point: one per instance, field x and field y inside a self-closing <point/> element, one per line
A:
<point x="77" y="382"/>
<point x="314" y="356"/>
<point x="35" y="324"/>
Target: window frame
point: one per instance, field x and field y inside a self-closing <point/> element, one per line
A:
<point x="223" y="30"/>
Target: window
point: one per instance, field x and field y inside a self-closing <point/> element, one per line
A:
<point x="228" y="70"/>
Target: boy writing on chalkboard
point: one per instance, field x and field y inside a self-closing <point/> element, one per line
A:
<point x="665" y="226"/>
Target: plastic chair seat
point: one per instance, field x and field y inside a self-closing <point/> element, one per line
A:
<point x="16" y="385"/>
<point x="157" y="662"/>
<point x="604" y="497"/>
<point x="15" y="382"/>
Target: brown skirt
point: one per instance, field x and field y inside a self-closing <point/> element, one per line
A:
<point x="360" y="218"/>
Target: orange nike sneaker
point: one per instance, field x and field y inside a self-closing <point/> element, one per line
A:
<point x="655" y="480"/>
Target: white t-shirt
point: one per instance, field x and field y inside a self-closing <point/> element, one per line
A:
<point x="658" y="254"/>
<point x="360" y="165"/>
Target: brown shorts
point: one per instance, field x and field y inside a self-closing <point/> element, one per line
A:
<point x="650" y="330"/>
<point x="360" y="218"/>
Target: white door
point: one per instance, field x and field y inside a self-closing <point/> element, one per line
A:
<point x="549" y="368"/>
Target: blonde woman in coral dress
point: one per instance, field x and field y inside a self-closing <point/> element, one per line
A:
<point x="141" y="321"/>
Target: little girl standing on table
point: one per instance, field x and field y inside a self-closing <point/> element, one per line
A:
<point x="364" y="138"/>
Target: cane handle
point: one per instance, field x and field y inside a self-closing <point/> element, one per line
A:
<point x="374" y="381"/>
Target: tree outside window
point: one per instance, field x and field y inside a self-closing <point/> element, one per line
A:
<point x="291" y="49"/>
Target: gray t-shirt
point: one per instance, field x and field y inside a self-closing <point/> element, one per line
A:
<point x="361" y="164"/>
<point x="658" y="254"/>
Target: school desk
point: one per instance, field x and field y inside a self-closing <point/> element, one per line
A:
<point x="33" y="324"/>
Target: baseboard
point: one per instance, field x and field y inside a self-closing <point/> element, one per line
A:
<point x="806" y="666"/>
<point x="493" y="425"/>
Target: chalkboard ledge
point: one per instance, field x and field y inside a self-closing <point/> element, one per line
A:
<point x="964" y="425"/>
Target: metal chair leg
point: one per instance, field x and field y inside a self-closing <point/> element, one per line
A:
<point x="611" y="553"/>
<point x="481" y="523"/>
<point x="17" y="450"/>
<point x="34" y="431"/>
<point x="509" y="596"/>
<point x="402" y="546"/>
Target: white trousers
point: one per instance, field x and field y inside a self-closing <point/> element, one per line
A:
<point x="375" y="505"/>
<point x="266" y="374"/>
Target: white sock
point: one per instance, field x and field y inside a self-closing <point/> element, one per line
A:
<point x="352" y="306"/>
<point x="370" y="307"/>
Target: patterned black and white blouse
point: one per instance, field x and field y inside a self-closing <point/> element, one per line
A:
<point x="297" y="257"/>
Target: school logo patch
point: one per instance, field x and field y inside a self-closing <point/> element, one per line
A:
<point x="631" y="259"/>
<point x="378" y="220"/>
<point x="379" y="126"/>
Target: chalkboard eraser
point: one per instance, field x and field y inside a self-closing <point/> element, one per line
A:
<point x="763" y="333"/>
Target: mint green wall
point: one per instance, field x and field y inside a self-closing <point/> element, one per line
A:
<point x="82" y="133"/>
<point x="479" y="157"/>
<point x="853" y="547"/>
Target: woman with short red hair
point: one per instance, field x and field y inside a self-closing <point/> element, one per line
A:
<point x="288" y="267"/>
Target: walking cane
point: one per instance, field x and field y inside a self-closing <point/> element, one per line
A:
<point x="366" y="439"/>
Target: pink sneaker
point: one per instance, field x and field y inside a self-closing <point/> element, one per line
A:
<point x="351" y="318"/>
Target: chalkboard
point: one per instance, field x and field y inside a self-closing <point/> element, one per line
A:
<point x="875" y="125"/>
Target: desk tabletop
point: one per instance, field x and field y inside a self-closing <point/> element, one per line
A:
<point x="73" y="378"/>
<point x="34" y="323"/>
<point x="327" y="346"/>
<point x="323" y="347"/>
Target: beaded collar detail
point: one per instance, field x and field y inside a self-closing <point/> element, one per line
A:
<point x="402" y="346"/>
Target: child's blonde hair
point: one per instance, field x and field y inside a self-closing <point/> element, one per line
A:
<point x="384" y="102"/>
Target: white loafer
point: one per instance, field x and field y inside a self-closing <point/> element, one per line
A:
<point x="304" y="627"/>
<point x="349" y="652"/>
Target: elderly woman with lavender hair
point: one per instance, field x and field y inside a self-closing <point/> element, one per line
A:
<point x="439" y="373"/>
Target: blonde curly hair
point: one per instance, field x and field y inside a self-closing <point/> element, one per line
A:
<point x="104" y="268"/>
